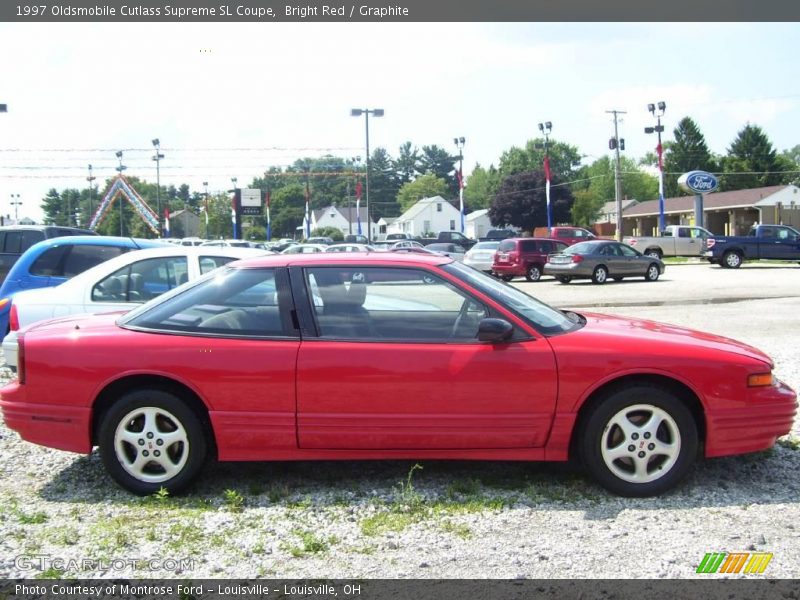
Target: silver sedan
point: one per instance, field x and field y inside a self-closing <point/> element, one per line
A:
<point x="601" y="260"/>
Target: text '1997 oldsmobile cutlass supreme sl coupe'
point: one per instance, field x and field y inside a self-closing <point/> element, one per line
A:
<point x="385" y="356"/>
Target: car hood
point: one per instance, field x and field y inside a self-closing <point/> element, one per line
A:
<point x="642" y="334"/>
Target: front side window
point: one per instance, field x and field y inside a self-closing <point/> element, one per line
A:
<point x="142" y="280"/>
<point x="391" y="304"/>
<point x="231" y="303"/>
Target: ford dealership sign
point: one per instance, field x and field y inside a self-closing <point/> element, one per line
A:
<point x="698" y="182"/>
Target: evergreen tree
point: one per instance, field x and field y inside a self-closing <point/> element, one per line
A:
<point x="441" y="164"/>
<point x="383" y="186"/>
<point x="752" y="162"/>
<point x="688" y="152"/>
<point x="406" y="165"/>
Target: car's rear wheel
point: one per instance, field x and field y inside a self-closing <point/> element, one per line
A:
<point x="640" y="441"/>
<point x="732" y="259"/>
<point x="533" y="273"/>
<point x="652" y="273"/>
<point x="600" y="274"/>
<point x="564" y="278"/>
<point x="151" y="439"/>
<point x="506" y="277"/>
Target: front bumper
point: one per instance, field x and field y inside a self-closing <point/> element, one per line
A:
<point x="768" y="414"/>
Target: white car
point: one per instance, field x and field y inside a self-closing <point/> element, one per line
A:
<point x="349" y="247"/>
<point x="121" y="283"/>
<point x="481" y="256"/>
<point x="305" y="249"/>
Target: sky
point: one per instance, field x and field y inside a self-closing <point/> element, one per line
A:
<point x="229" y="100"/>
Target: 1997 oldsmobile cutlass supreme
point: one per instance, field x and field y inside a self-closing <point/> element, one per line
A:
<point x="386" y="356"/>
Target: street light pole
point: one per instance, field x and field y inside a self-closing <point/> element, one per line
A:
<point x="546" y="128"/>
<point x="459" y="142"/>
<point x="377" y="112"/>
<point x="91" y="179"/>
<point x="205" y="205"/>
<point x="616" y="144"/>
<point x="16" y="204"/>
<point x="157" y="145"/>
<point x="662" y="106"/>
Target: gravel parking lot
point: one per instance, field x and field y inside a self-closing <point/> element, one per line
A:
<point x="390" y="519"/>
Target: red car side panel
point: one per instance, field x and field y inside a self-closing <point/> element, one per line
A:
<point x="427" y="396"/>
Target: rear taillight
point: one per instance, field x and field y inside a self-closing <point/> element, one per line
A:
<point x="576" y="258"/>
<point x="13" y="318"/>
<point x="21" y="358"/>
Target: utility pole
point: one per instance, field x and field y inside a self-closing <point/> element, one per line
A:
<point x="617" y="144"/>
<point x="91" y="179"/>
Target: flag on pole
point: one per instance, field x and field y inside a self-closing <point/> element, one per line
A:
<point x="205" y="209"/>
<point x="460" y="178"/>
<point x="307" y="218"/>
<point x="547" y="187"/>
<point x="660" y="152"/>
<point x="358" y="205"/>
<point x="269" y="223"/>
<point x="166" y="221"/>
<point x="233" y="216"/>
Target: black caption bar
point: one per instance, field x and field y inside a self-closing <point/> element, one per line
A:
<point x="376" y="589"/>
<point x="271" y="11"/>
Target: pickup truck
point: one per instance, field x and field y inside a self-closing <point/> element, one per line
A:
<point x="776" y="242"/>
<point x="565" y="233"/>
<point x="675" y="240"/>
<point x="450" y="237"/>
<point x="496" y="235"/>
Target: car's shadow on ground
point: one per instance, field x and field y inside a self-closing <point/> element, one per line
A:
<point x="764" y="478"/>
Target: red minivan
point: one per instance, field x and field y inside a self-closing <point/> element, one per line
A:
<point x="524" y="257"/>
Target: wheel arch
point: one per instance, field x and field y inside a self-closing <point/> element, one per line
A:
<point x="678" y="388"/>
<point x="113" y="390"/>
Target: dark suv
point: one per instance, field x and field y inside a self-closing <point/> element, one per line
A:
<point x="16" y="239"/>
<point x="524" y="257"/>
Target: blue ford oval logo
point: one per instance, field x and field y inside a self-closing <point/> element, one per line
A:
<point x="698" y="182"/>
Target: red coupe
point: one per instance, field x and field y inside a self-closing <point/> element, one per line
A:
<point x="386" y="356"/>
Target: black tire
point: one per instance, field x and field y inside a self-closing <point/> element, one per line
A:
<point x="564" y="278"/>
<point x="611" y="456"/>
<point x="600" y="274"/>
<point x="506" y="277"/>
<point x="731" y="260"/>
<point x="652" y="273"/>
<point x="654" y="253"/>
<point x="165" y="415"/>
<point x="533" y="272"/>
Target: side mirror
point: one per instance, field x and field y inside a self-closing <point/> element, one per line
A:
<point x="494" y="330"/>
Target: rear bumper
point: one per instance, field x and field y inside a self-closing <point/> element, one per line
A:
<point x="52" y="425"/>
<point x="515" y="269"/>
<point x="753" y="427"/>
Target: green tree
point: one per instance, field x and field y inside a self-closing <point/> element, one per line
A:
<point x="383" y="186"/>
<point x="480" y="187"/>
<point x="752" y="162"/>
<point x="424" y="186"/>
<point x="586" y="208"/>
<point x="688" y="152"/>
<point x="442" y="164"/>
<point x="564" y="159"/>
<point x="406" y="165"/>
<point x="335" y="234"/>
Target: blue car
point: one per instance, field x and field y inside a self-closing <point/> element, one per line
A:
<point x="53" y="261"/>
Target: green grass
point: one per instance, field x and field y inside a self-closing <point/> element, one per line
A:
<point x="790" y="442"/>
<point x="233" y="500"/>
<point x="310" y="544"/>
<point x="457" y="529"/>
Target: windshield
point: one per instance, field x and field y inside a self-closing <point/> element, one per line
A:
<point x="544" y="318"/>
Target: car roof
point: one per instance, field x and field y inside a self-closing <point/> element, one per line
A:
<point x="322" y="259"/>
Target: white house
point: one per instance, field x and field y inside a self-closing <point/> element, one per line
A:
<point x="477" y="224"/>
<point x="343" y="218"/>
<point x="426" y="216"/>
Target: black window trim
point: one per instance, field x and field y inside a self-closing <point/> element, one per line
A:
<point x="284" y="301"/>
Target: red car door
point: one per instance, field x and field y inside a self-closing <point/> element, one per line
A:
<point x="416" y="377"/>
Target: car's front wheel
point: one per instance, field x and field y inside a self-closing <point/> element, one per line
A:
<point x="639" y="441"/>
<point x="652" y="272"/>
<point x="151" y="439"/>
